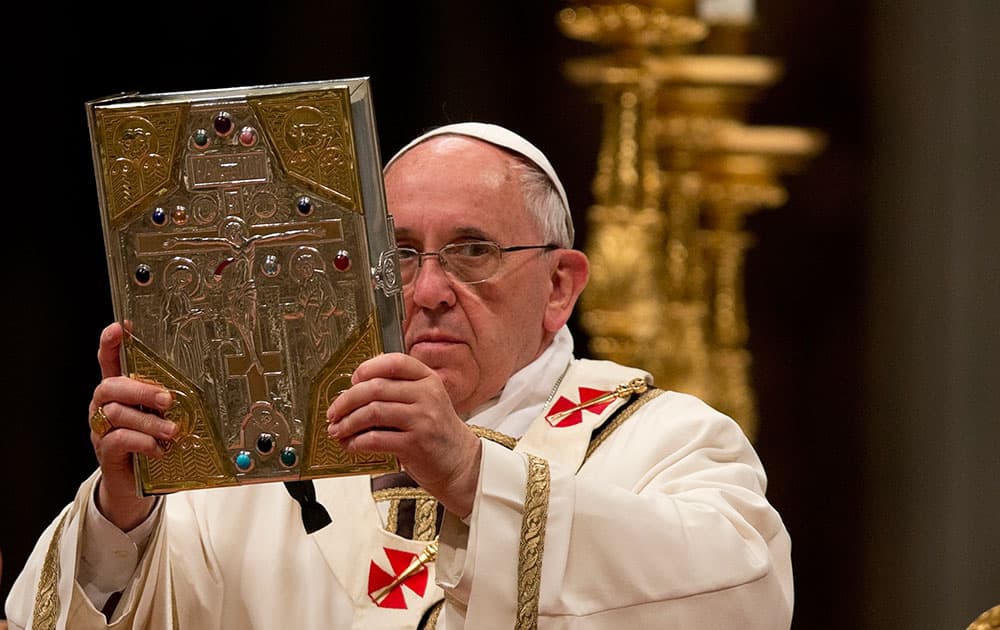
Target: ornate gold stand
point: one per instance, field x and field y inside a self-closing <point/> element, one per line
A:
<point x="989" y="620"/>
<point x="678" y="171"/>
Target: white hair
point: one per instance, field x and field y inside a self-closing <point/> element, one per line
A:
<point x="544" y="195"/>
<point x="542" y="201"/>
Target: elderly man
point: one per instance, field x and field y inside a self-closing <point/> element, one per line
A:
<point x="574" y="493"/>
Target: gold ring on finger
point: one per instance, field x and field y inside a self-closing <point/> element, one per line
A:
<point x="99" y="422"/>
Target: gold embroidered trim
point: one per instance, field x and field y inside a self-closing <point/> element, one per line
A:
<point x="623" y="415"/>
<point x="395" y="494"/>
<point x="424" y="510"/>
<point x="392" y="517"/>
<point x="494" y="436"/>
<point x="47" y="596"/>
<point x="529" y="561"/>
<point x="425" y="519"/>
<point x="430" y="620"/>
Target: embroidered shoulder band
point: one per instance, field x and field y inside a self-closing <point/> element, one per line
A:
<point x="620" y="415"/>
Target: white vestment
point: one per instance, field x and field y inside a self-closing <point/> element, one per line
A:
<point x="660" y="521"/>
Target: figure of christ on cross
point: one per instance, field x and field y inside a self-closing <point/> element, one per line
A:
<point x="241" y="298"/>
<point x="251" y="365"/>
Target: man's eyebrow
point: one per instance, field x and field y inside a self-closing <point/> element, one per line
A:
<point x="470" y="232"/>
<point x="461" y="231"/>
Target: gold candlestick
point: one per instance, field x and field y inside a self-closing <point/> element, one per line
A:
<point x="678" y="171"/>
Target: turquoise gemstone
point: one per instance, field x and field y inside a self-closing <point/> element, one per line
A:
<point x="288" y="456"/>
<point x="244" y="461"/>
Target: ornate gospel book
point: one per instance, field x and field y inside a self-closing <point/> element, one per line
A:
<point x="252" y="263"/>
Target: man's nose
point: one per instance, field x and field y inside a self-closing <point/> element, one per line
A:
<point x="433" y="286"/>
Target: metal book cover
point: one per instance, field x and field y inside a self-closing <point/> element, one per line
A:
<point x="252" y="262"/>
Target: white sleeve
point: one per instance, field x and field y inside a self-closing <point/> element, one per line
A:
<point x="666" y="525"/>
<point x="109" y="556"/>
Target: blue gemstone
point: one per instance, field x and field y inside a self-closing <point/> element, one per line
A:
<point x="243" y="461"/>
<point x="288" y="456"/>
<point x="159" y="216"/>
<point x="265" y="442"/>
<point x="305" y="205"/>
<point x="143" y="274"/>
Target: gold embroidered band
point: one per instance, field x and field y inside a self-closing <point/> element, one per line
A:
<point x="47" y="596"/>
<point x="494" y="436"/>
<point x="529" y="562"/>
<point x="424" y="508"/>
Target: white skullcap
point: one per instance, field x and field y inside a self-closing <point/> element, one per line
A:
<point x="506" y="139"/>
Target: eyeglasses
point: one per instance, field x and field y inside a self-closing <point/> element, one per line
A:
<point x="470" y="262"/>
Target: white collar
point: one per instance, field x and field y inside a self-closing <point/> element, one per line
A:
<point x="528" y="390"/>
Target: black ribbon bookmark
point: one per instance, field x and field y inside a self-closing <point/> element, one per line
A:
<point x="314" y="515"/>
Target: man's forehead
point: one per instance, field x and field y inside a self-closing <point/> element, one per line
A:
<point x="451" y="152"/>
<point x="456" y="170"/>
<point x="496" y="136"/>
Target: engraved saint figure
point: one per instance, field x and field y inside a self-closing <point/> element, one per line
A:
<point x="315" y="303"/>
<point x="183" y="336"/>
<point x="137" y="167"/>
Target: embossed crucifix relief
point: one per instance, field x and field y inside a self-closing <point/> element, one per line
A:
<point x="230" y="253"/>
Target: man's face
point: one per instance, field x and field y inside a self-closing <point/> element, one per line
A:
<point x="452" y="189"/>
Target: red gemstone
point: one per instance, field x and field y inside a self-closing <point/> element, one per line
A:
<point x="248" y="136"/>
<point x="180" y="215"/>
<point x="342" y="261"/>
<point x="223" y="124"/>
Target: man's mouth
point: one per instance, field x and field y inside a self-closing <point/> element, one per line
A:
<point x="434" y="339"/>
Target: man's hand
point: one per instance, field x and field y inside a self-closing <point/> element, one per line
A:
<point x="133" y="430"/>
<point x="398" y="405"/>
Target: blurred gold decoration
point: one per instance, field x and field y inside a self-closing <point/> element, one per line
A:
<point x="989" y="620"/>
<point x="678" y="171"/>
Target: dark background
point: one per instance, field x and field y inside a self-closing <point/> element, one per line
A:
<point x="872" y="294"/>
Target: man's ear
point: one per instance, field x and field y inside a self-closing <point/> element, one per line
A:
<point x="568" y="278"/>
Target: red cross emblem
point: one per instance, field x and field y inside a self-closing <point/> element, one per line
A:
<point x="557" y="418"/>
<point x="379" y="579"/>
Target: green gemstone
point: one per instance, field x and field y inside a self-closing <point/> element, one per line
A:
<point x="288" y="456"/>
<point x="201" y="138"/>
